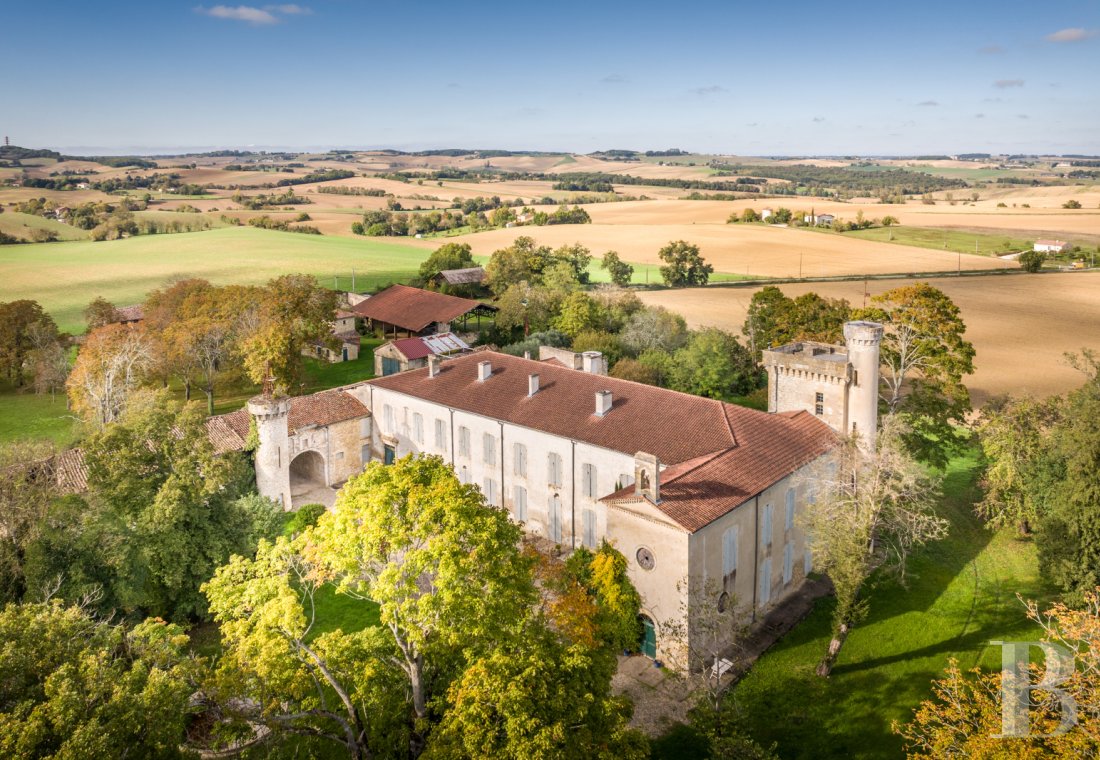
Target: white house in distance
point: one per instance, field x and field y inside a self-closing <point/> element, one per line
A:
<point x="765" y="213"/>
<point x="1051" y="246"/>
<point x="819" y="219"/>
<point x="687" y="488"/>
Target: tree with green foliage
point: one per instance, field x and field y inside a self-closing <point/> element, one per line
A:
<point x="635" y="371"/>
<point x="925" y="358"/>
<point x="24" y="327"/>
<point x="28" y="486"/>
<point x="1032" y="261"/>
<point x="774" y="319"/>
<point x="447" y="256"/>
<point x="100" y="312"/>
<point x="618" y="270"/>
<point x="654" y="328"/>
<point x="713" y="364"/>
<point x="74" y="686"/>
<point x="523" y="261"/>
<point x="167" y="506"/>
<point x="684" y="267"/>
<point x="578" y="313"/>
<point x="1068" y="485"/>
<point x="870" y="510"/>
<point x="599" y="340"/>
<point x="1072" y="204"/>
<point x="1015" y="436"/>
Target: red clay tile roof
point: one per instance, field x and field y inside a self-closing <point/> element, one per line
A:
<point x="414" y="309"/>
<point x="324" y="408"/>
<point x="130" y="313"/>
<point x="720" y="454"/>
<point x="71" y="471"/>
<point x="674" y="426"/>
<point x="418" y="348"/>
<point x="770" y="447"/>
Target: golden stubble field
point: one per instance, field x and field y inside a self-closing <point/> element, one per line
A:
<point x="752" y="250"/>
<point x="1020" y="325"/>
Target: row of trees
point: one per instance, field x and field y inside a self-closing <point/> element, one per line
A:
<point x="202" y="335"/>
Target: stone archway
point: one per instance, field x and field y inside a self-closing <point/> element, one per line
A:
<point x="308" y="480"/>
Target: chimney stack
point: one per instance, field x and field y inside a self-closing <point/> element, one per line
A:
<point x="484" y="369"/>
<point x="603" y="403"/>
<point x="592" y="363"/>
<point x="532" y="385"/>
<point x="433" y="365"/>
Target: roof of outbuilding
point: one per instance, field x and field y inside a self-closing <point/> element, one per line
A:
<point x="134" y="313"/>
<point x="467" y="276"/>
<point x="418" y="348"/>
<point x="414" y="309"/>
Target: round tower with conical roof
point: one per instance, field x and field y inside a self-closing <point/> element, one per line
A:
<point x="272" y="416"/>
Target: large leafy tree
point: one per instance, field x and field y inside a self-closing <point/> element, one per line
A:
<point x="167" y="504"/>
<point x="73" y="686"/>
<point x="654" y="328"/>
<point x="24" y="326"/>
<point x="684" y="266"/>
<point x="1016" y="441"/>
<point x="469" y="659"/>
<point x="925" y="358"/>
<point x="111" y="365"/>
<point x="26" y="488"/>
<point x="713" y="364"/>
<point x="870" y="510"/>
<point x="447" y="256"/>
<point x="1068" y="537"/>
<point x="775" y="319"/>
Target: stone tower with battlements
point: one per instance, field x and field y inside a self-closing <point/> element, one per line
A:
<point x="839" y="384"/>
<point x="272" y="416"/>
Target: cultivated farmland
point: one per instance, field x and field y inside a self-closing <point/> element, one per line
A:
<point x="1020" y="325"/>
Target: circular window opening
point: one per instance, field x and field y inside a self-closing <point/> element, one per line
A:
<point x="645" y="559"/>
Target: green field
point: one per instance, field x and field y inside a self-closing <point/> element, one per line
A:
<point x="945" y="239"/>
<point x="20" y="225"/>
<point x="64" y="277"/>
<point x="962" y="595"/>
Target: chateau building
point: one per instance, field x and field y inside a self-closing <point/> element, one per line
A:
<point x="693" y="491"/>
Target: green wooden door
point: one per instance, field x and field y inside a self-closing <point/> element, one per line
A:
<point x="390" y="366"/>
<point x="648" y="644"/>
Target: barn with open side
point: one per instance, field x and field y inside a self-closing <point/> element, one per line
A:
<point x="412" y="311"/>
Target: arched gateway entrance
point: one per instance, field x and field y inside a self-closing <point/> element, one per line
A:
<point x="308" y="482"/>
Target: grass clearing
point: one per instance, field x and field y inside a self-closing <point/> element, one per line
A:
<point x="984" y="242"/>
<point x="64" y="277"/>
<point x="26" y="416"/>
<point x="962" y="594"/>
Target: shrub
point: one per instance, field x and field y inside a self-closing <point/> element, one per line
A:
<point x="306" y="516"/>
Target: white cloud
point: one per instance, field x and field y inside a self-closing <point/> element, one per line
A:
<point x="928" y="103"/>
<point x="614" y="79"/>
<point x="714" y="89"/>
<point x="1004" y="84"/>
<point x="265" y="16"/>
<point x="1073" y="34"/>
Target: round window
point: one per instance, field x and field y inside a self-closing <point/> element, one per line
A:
<point x="723" y="602"/>
<point x="645" y="559"/>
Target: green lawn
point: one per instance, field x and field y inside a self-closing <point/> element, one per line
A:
<point x="29" y="416"/>
<point x="943" y="239"/>
<point x="962" y="594"/>
<point x="64" y="277"/>
<point x="21" y="225"/>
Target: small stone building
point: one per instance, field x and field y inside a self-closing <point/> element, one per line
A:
<point x="413" y="353"/>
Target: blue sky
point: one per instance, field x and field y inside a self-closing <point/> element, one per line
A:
<point x="753" y="78"/>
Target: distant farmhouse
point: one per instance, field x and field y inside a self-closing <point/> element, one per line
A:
<point x="412" y="311"/>
<point x="1051" y="246"/>
<point x="819" y="219"/>
<point x="686" y="487"/>
<point x="346" y="336"/>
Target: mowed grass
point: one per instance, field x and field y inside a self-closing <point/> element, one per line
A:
<point x="64" y="277"/>
<point x="27" y="416"/>
<point x="944" y="239"/>
<point x="961" y="595"/>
